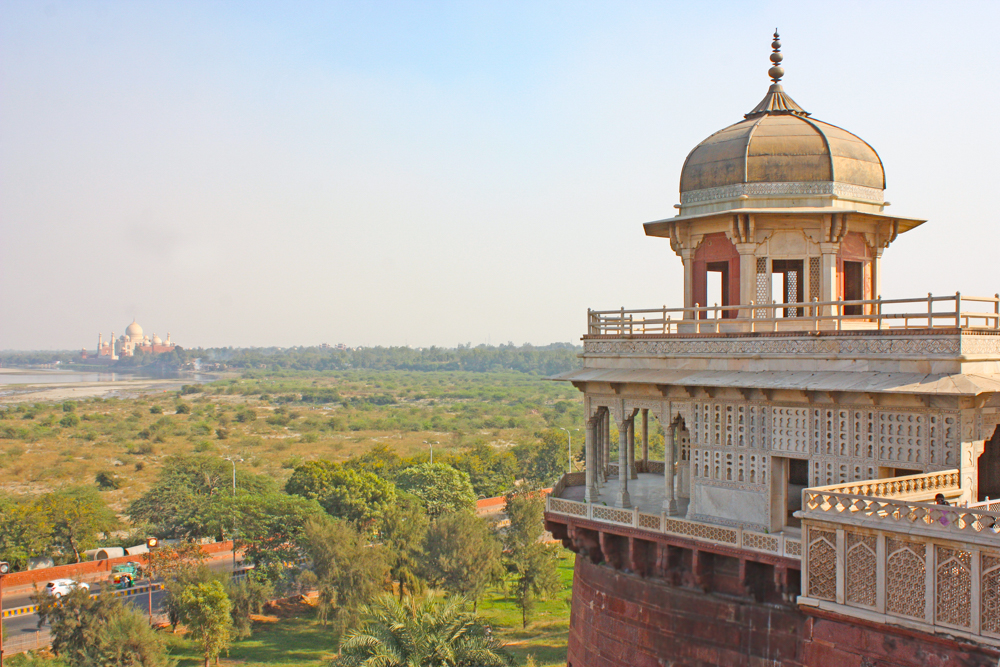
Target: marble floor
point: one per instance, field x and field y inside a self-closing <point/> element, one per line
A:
<point x="647" y="493"/>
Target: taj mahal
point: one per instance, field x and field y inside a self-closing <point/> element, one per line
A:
<point x="126" y="345"/>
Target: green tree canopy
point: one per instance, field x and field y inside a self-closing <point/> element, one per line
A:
<point x="206" y="612"/>
<point x="179" y="504"/>
<point x="268" y="527"/>
<point x="357" y="496"/>
<point x="462" y="555"/>
<point x="441" y="487"/>
<point x="421" y="632"/>
<point x="491" y="471"/>
<point x="351" y="572"/>
<point x="24" y="531"/>
<point x="380" y="460"/>
<point x="100" y="631"/>
<point x="403" y="533"/>
<point x="77" y="516"/>
<point x="531" y="563"/>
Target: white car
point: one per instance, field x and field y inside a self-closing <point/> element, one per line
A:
<point x="61" y="587"/>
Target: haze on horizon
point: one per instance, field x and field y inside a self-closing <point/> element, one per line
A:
<point x="389" y="173"/>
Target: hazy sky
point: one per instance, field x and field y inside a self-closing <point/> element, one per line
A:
<point x="293" y="173"/>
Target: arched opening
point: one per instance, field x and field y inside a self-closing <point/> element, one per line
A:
<point x="716" y="275"/>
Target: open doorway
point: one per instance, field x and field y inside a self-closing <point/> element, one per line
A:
<point x="854" y="286"/>
<point x="718" y="287"/>
<point x="989" y="469"/>
<point x="786" y="285"/>
<point x="788" y="478"/>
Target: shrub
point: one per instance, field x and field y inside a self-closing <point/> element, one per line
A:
<point x="156" y="410"/>
<point x="70" y="420"/>
<point x="183" y="408"/>
<point x="107" y="481"/>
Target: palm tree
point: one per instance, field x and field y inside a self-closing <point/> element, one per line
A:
<point x="421" y="632"/>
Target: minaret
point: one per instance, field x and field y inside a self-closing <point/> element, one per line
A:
<point x="100" y="343"/>
<point x="114" y="357"/>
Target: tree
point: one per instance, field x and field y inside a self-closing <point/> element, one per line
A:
<point x="380" y="460"/>
<point x="206" y="612"/>
<point x="179" y="504"/>
<point x="403" y="532"/>
<point x="77" y="515"/>
<point x="101" y="631"/>
<point x="172" y="560"/>
<point x="248" y="596"/>
<point x="543" y="462"/>
<point x="531" y="563"/>
<point x="421" y="632"/>
<point x="462" y="555"/>
<point x="267" y="527"/>
<point x="351" y="572"/>
<point x="24" y="531"/>
<point x="491" y="471"/>
<point x="345" y="493"/>
<point x="439" y="486"/>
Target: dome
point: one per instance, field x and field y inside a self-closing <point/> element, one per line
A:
<point x="156" y="340"/>
<point x="778" y="152"/>
<point x="134" y="331"/>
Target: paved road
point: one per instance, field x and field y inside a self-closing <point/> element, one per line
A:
<point x="18" y="627"/>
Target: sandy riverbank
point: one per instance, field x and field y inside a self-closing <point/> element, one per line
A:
<point x="67" y="391"/>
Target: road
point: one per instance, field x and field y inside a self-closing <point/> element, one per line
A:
<point x="25" y="626"/>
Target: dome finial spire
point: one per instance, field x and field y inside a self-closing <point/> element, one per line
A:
<point x="776" y="71"/>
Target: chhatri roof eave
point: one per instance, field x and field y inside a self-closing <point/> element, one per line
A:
<point x="657" y="227"/>
<point x="940" y="384"/>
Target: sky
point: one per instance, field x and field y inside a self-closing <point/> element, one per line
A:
<point x="440" y="173"/>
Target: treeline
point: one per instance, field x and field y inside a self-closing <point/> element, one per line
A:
<point x="544" y="360"/>
<point x="547" y="360"/>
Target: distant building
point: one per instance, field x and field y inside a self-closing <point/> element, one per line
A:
<point x="133" y="339"/>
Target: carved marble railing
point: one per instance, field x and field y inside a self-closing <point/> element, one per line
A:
<point x="964" y="524"/>
<point x="911" y="487"/>
<point x="928" y="312"/>
<point x="569" y="479"/>
<point x="775" y="544"/>
<point x="889" y="575"/>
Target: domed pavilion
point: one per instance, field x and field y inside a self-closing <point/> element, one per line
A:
<point x="831" y="459"/>
<point x="782" y="207"/>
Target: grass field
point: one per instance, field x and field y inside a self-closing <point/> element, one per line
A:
<point x="295" y="638"/>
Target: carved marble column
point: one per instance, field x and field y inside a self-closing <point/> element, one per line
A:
<point x="624" y="501"/>
<point x="828" y="283"/>
<point x="748" y="276"/>
<point x="645" y="437"/>
<point x="590" y="453"/>
<point x="687" y="256"/>
<point x="669" y="498"/>
<point x="607" y="442"/>
<point x="631" y="449"/>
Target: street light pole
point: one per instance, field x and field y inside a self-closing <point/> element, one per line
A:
<point x="569" y="449"/>
<point x="232" y="460"/>
<point x="4" y="569"/>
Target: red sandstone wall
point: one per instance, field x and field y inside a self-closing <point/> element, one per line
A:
<point x="90" y="567"/>
<point x="622" y="619"/>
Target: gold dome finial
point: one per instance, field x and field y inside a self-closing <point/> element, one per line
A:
<point x="776" y="71"/>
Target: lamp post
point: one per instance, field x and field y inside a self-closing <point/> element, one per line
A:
<point x="4" y="569"/>
<point x="233" y="460"/>
<point x="151" y="543"/>
<point x="569" y="449"/>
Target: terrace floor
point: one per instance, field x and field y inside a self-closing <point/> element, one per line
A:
<point x="647" y="493"/>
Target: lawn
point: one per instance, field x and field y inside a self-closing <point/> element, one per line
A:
<point x="295" y="638"/>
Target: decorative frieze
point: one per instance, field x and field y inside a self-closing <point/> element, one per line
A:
<point x="783" y="189"/>
<point x="947" y="346"/>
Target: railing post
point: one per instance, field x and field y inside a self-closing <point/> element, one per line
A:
<point x="666" y="320"/>
<point x="697" y="318"/>
<point x="878" y="310"/>
<point x="958" y="310"/>
<point x="930" y="311"/>
<point x="996" y="309"/>
<point x="635" y="517"/>
<point x="815" y="314"/>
